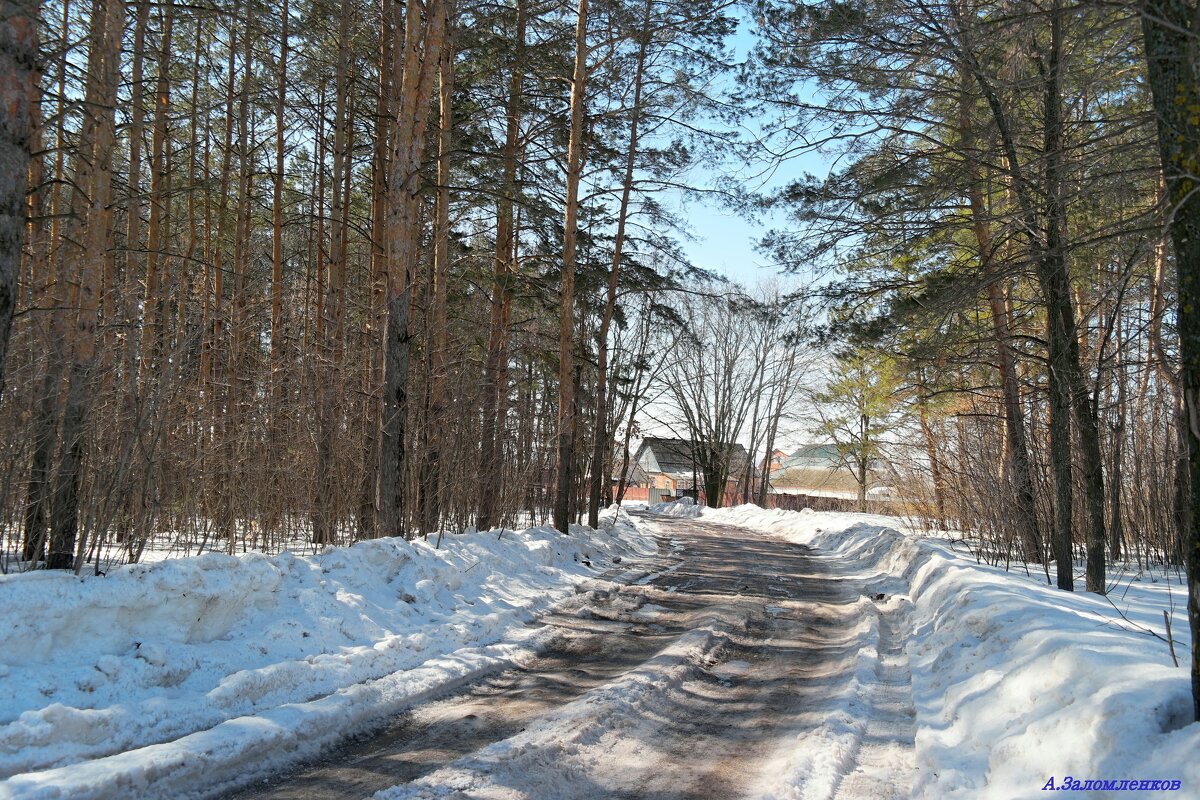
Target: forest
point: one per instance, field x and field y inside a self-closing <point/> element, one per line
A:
<point x="304" y="271"/>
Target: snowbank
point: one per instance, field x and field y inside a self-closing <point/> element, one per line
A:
<point x="154" y="678"/>
<point x="684" y="508"/>
<point x="1015" y="682"/>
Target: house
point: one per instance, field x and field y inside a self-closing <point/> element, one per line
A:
<point x="774" y="461"/>
<point x="665" y="467"/>
<point x="818" y="470"/>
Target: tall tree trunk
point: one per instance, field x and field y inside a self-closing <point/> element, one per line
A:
<point x="491" y="466"/>
<point x="46" y="407"/>
<point x="1018" y="467"/>
<point x="600" y="434"/>
<point x="421" y="50"/>
<point x="324" y="520"/>
<point x="1060" y="321"/>
<point x="566" y="318"/>
<point x="153" y="305"/>
<point x="1170" y="30"/>
<point x="439" y="343"/>
<point x="277" y="214"/>
<point x="1063" y="336"/>
<point x="237" y="373"/>
<point x="374" y="321"/>
<point x="1045" y="229"/>
<point x="92" y="225"/>
<point x="18" y="87"/>
<point x="133" y="212"/>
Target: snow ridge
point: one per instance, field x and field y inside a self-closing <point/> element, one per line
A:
<point x="126" y="685"/>
<point x="1013" y="682"/>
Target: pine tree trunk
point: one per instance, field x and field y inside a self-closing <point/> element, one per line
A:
<point x="566" y="317"/>
<point x="1169" y="27"/>
<point x="491" y="472"/>
<point x="1018" y="467"/>
<point x="237" y="365"/>
<point x="374" y="321"/>
<point x="133" y="212"/>
<point x="277" y="215"/>
<point x="431" y="484"/>
<point x="600" y="435"/>
<point x="1045" y="229"/>
<point x="421" y="52"/>
<point x="1066" y="375"/>
<point x="153" y="305"/>
<point x="46" y="406"/>
<point x="324" y="518"/>
<point x="93" y="230"/>
<point x="18" y="62"/>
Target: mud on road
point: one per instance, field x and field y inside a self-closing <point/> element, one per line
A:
<point x="697" y="681"/>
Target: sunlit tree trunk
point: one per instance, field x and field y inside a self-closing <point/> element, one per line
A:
<point x="420" y="52"/>
<point x="600" y="433"/>
<point x="92" y="229"/>
<point x="439" y="340"/>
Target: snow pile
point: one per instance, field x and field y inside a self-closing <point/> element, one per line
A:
<point x="203" y="661"/>
<point x="683" y="508"/>
<point x="1015" y="682"/>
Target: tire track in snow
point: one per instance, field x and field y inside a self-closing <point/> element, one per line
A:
<point x="736" y="663"/>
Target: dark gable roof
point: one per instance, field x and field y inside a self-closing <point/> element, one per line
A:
<point x="675" y="455"/>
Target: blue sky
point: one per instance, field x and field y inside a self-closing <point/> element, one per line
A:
<point x="725" y="242"/>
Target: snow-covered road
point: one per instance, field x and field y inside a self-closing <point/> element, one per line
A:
<point x="743" y="653"/>
<point x="744" y="665"/>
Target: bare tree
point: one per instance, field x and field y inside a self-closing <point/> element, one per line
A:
<point x="712" y="382"/>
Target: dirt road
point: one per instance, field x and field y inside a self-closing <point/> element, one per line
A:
<point x="741" y="666"/>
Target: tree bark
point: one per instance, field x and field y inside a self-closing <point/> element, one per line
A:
<point x="277" y="213"/>
<point x="324" y="520"/>
<point x="421" y="52"/>
<point x="153" y="325"/>
<point x="491" y="472"/>
<point x="92" y="229"/>
<point x="1170" y="31"/>
<point x="566" y="318"/>
<point x="1045" y="228"/>
<point x="600" y="435"/>
<point x="18" y="70"/>
<point x="374" y="321"/>
<point x="431" y="484"/>
<point x="1018" y="467"/>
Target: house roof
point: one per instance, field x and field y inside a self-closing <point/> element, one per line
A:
<point x="813" y="479"/>
<point x="815" y="455"/>
<point x="674" y="455"/>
